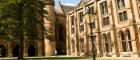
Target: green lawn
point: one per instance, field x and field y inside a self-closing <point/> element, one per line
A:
<point x="73" y="58"/>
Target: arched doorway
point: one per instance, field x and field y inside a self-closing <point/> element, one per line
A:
<point x="16" y="51"/>
<point x="2" y="51"/>
<point x="31" y="50"/>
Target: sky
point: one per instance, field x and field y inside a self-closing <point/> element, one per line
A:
<point x="67" y="2"/>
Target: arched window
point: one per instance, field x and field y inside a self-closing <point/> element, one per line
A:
<point x="129" y="40"/>
<point x="123" y="41"/>
<point x="106" y="43"/>
<point x="110" y="42"/>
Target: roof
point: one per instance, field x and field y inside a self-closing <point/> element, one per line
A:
<point x="84" y="1"/>
<point x="66" y="9"/>
<point x="63" y="9"/>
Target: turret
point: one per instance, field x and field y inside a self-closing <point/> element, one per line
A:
<point x="49" y="23"/>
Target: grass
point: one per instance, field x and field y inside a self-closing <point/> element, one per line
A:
<point x="73" y="58"/>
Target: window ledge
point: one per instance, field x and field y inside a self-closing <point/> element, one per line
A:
<point x="121" y="22"/>
<point x="105" y="26"/>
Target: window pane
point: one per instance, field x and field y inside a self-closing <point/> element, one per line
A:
<point x="82" y="44"/>
<point x="120" y="3"/>
<point x="125" y="15"/>
<point x="106" y="47"/>
<point x="124" y="46"/>
<point x="123" y="3"/>
<point x="90" y="10"/>
<point x="105" y="21"/>
<point x="81" y="16"/>
<point x="72" y="20"/>
<point x="104" y="8"/>
<point x="81" y="28"/>
<point x="130" y="46"/>
<point x="120" y="17"/>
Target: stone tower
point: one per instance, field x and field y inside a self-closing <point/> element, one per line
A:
<point x="49" y="23"/>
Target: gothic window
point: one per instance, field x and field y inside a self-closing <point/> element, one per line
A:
<point x="123" y="41"/>
<point x="72" y="30"/>
<point x="81" y="17"/>
<point x="120" y="3"/>
<point x="90" y="10"/>
<point x="104" y="8"/>
<point x="129" y="40"/>
<point x="81" y="27"/>
<point x="82" y="44"/>
<point x="105" y="21"/>
<point x="123" y="16"/>
<point x="110" y="42"/>
<point x="72" y="20"/>
<point x="107" y="43"/>
<point x="72" y="25"/>
<point x="120" y="16"/>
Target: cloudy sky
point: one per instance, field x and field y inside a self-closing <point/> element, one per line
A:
<point x="67" y="2"/>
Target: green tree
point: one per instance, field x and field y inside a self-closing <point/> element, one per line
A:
<point x="22" y="18"/>
<point x="32" y="15"/>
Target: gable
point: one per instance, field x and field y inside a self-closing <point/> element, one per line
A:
<point x="83" y="1"/>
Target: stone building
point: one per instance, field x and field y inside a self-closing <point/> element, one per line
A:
<point x="54" y="37"/>
<point x="57" y="23"/>
<point x="115" y="24"/>
<point x="61" y="11"/>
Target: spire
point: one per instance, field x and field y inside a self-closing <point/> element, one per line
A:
<point x="59" y="2"/>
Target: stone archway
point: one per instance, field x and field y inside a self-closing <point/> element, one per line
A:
<point x="2" y="51"/>
<point x="31" y="50"/>
<point x="16" y="51"/>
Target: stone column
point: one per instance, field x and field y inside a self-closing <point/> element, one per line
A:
<point x="98" y="30"/>
<point x="68" y="36"/>
<point x="114" y="30"/>
<point x="39" y="42"/>
<point x="9" y="49"/>
<point x="25" y="54"/>
<point x="134" y="24"/>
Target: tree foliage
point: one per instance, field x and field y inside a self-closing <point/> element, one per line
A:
<point x="32" y="16"/>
